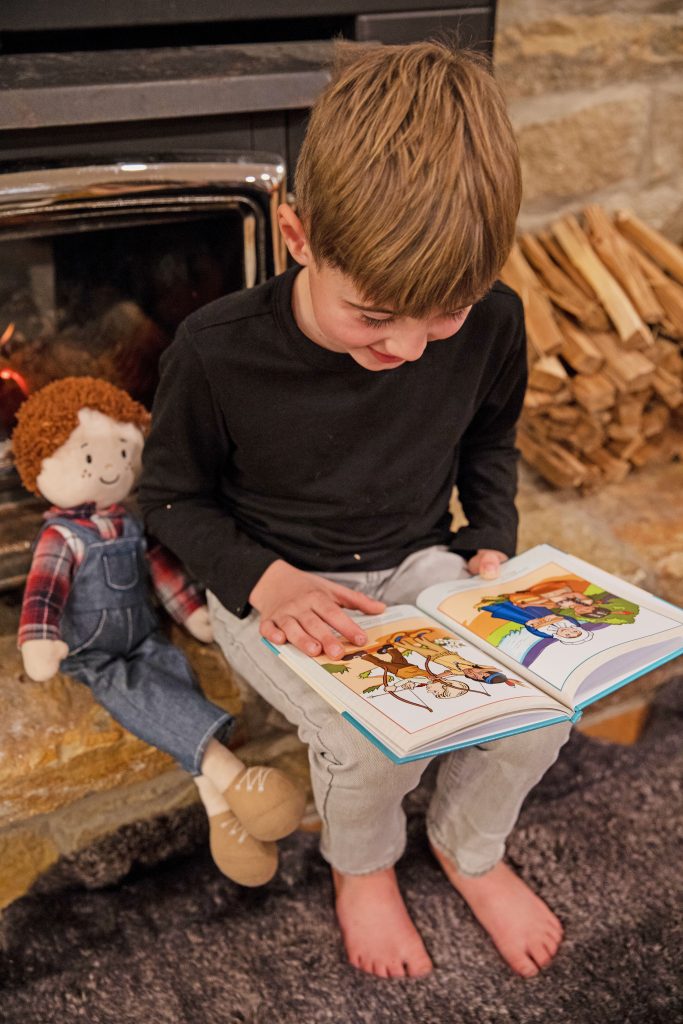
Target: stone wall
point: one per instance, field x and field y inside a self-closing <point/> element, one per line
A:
<point x="596" y="97"/>
<point x="70" y="776"/>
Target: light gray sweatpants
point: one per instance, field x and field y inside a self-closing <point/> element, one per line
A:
<point x="358" y="790"/>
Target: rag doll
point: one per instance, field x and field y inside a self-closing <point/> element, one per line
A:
<point x="87" y="611"/>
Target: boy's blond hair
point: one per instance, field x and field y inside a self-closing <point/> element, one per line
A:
<point x="408" y="180"/>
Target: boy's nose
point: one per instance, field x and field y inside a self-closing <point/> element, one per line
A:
<point x="409" y="346"/>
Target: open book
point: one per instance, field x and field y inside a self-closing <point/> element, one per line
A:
<point x="477" y="660"/>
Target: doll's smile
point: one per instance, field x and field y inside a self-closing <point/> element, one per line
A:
<point x="103" y="481"/>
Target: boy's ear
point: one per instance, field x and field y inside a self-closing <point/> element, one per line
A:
<point x="294" y="235"/>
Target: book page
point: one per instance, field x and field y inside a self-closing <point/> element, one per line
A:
<point x="414" y="680"/>
<point x="563" y="623"/>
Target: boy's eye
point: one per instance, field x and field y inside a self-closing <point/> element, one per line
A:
<point x="370" y="321"/>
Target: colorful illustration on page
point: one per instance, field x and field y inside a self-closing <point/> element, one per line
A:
<point x="545" y="608"/>
<point x="424" y="668"/>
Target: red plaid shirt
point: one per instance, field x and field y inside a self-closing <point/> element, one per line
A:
<point x="57" y="556"/>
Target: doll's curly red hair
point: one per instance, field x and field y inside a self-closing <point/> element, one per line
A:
<point x="48" y="418"/>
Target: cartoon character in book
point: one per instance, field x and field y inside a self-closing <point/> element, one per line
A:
<point x="564" y="597"/>
<point x="541" y="621"/>
<point x="409" y="668"/>
<point x="87" y="612"/>
<point x="445" y="651"/>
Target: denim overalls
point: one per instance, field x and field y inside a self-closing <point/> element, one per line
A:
<point x="116" y="648"/>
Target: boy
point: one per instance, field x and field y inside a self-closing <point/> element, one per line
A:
<point x="307" y="436"/>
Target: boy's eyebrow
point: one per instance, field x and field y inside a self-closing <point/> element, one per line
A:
<point x="370" y="309"/>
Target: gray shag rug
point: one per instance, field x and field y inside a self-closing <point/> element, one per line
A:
<point x="176" y="943"/>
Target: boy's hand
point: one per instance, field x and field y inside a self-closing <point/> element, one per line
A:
<point x="486" y="563"/>
<point x="300" y="607"/>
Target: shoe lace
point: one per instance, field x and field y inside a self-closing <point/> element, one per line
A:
<point x="254" y="778"/>
<point x="235" y="829"/>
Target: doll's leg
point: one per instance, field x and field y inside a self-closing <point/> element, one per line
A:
<point x="265" y="800"/>
<point x="154" y="694"/>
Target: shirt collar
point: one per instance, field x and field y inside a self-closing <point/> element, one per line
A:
<point x="86" y="511"/>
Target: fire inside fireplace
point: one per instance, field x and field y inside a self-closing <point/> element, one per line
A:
<point x="99" y="265"/>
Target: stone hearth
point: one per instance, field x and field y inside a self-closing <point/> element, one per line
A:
<point x="70" y="776"/>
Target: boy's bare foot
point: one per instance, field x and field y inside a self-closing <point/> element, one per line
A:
<point x="524" y="929"/>
<point x="379" y="936"/>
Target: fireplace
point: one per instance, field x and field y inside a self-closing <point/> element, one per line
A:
<point x="98" y="266"/>
<point x="106" y="240"/>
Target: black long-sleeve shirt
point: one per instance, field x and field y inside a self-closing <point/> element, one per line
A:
<point x="265" y="445"/>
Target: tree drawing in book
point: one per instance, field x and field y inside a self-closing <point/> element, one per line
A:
<point x="412" y="665"/>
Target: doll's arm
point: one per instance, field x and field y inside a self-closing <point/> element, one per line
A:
<point x="179" y="596"/>
<point x="42" y="658"/>
<point x="45" y="595"/>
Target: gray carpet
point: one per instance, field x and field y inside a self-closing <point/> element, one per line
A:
<point x="175" y="943"/>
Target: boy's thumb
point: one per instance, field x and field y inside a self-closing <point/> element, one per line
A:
<point x="489" y="567"/>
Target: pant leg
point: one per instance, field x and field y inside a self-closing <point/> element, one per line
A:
<point x="480" y="791"/>
<point x="358" y="791"/>
<point x="154" y="693"/>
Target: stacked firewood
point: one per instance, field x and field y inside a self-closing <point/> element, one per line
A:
<point x="603" y="300"/>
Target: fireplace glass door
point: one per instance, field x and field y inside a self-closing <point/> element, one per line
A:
<point x="99" y="265"/>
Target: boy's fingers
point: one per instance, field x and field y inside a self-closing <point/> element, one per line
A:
<point x="298" y="636"/>
<point x="489" y="564"/>
<point x="489" y="570"/>
<point x="344" y="624"/>
<point x="271" y="632"/>
<point x="317" y="624"/>
<point x="355" y="599"/>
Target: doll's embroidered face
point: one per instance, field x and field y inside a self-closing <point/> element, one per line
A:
<point x="100" y="463"/>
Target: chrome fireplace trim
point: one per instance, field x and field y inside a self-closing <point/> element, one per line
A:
<point x="72" y="196"/>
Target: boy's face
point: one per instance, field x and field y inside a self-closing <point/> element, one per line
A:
<point x="329" y="310"/>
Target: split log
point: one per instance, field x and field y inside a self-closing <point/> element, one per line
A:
<point x="563" y="261"/>
<point x="560" y="287"/>
<point x="594" y="391"/>
<point x="542" y="330"/>
<point x="668" y="387"/>
<point x="613" y="469"/>
<point x="534" y="400"/>
<point x="578" y="350"/>
<point x="633" y="332"/>
<point x="552" y="461"/>
<point x="655" y="244"/>
<point x="655" y="421"/>
<point x="631" y="370"/>
<point x="629" y="412"/>
<point x="668" y="292"/>
<point x="612" y="249"/>
<point x="548" y="374"/>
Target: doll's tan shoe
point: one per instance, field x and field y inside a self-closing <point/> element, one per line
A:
<point x="268" y="804"/>
<point x="237" y="854"/>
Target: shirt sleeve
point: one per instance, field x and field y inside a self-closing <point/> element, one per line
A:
<point x="176" y="592"/>
<point x="187" y="448"/>
<point x="487" y="469"/>
<point x="47" y="588"/>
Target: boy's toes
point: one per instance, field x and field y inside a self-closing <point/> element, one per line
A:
<point x="522" y="964"/>
<point x="541" y="955"/>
